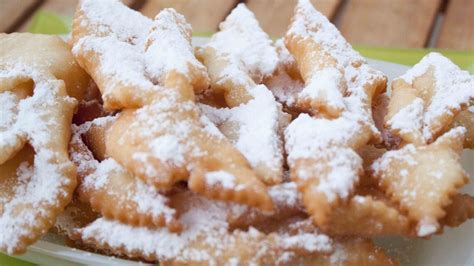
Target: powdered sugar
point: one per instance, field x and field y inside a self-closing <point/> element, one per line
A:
<point x="320" y="148"/>
<point x="222" y="179"/>
<point x="168" y="139"/>
<point x="307" y="241"/>
<point x="285" y="59"/>
<point x="324" y="86"/>
<point x="146" y="197"/>
<point x="135" y="54"/>
<point x="8" y="108"/>
<point x="284" y="88"/>
<point x="168" y="148"/>
<point x="121" y="61"/>
<point x="308" y="23"/>
<point x="452" y="89"/>
<point x="205" y="224"/>
<point x="409" y="118"/>
<point x="245" y="45"/>
<point x="169" y="46"/>
<point x="426" y="228"/>
<point x="281" y="84"/>
<point x="285" y="194"/>
<point x="36" y="197"/>
<point x="256" y="126"/>
<point x="39" y="190"/>
<point x="111" y="16"/>
<point x="103" y="175"/>
<point x="307" y="136"/>
<point x="404" y="154"/>
<point x="343" y="169"/>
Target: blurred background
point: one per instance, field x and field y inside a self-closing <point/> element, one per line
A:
<point x="387" y="23"/>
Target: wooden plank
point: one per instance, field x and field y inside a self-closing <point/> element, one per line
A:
<point x="401" y="23"/>
<point x="203" y="15"/>
<point x="457" y="31"/>
<point x="60" y="7"/>
<point x="11" y="11"/>
<point x="275" y="15"/>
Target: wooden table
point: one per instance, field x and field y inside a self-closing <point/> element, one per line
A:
<point x="388" y="23"/>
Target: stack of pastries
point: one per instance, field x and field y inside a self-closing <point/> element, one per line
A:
<point x="128" y="141"/>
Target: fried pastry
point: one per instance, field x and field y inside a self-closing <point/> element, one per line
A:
<point x="124" y="58"/>
<point x="466" y="120"/>
<point x="37" y="77"/>
<point x="52" y="59"/>
<point x="421" y="188"/>
<point x="338" y="92"/>
<point x="176" y="146"/>
<point x="330" y="68"/>
<point x="460" y="210"/>
<point x="112" y="191"/>
<point x="367" y="216"/>
<point x="323" y="160"/>
<point x="162" y="136"/>
<point x="238" y="57"/>
<point x="184" y="156"/>
<point x="285" y="197"/>
<point x="253" y="113"/>
<point x="426" y="99"/>
<point x="255" y="129"/>
<point x="207" y="239"/>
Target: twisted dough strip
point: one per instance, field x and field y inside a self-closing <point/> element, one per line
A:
<point x="37" y="179"/>
<point x="419" y="187"/>
<point x="35" y="190"/>
<point x="162" y="91"/>
<point x="112" y="191"/>
<point x="426" y="99"/>
<point x="339" y="87"/>
<point x="331" y="69"/>
<point x="238" y="57"/>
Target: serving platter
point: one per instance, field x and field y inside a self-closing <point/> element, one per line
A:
<point x="454" y="247"/>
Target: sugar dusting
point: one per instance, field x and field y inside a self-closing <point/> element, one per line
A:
<point x="324" y="85"/>
<point x="205" y="222"/>
<point x="453" y="89"/>
<point x="308" y="23"/>
<point x="170" y="140"/>
<point x="39" y="187"/>
<point x="146" y="197"/>
<point x="328" y="143"/>
<point x="134" y="54"/>
<point x="169" y="46"/>
<point x="257" y="124"/>
<point x="98" y="176"/>
<point x="330" y="140"/>
<point x="245" y="46"/>
<point x="222" y="179"/>
<point x="409" y="118"/>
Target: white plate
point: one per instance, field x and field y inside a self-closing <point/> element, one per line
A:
<point x="454" y="247"/>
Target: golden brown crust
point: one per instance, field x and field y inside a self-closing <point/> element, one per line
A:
<point x="38" y="76"/>
<point x="460" y="210"/>
<point x="421" y="188"/>
<point x="112" y="191"/>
